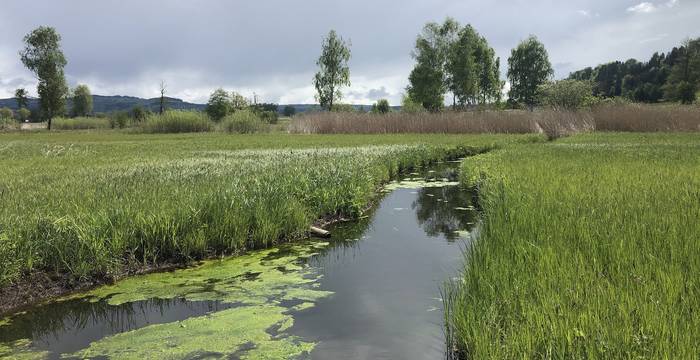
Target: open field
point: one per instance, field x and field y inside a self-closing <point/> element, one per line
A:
<point x="92" y="205"/>
<point x="589" y="249"/>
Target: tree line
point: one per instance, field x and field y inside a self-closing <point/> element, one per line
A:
<point x="673" y="76"/>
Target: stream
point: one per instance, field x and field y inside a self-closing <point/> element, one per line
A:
<point x="372" y="291"/>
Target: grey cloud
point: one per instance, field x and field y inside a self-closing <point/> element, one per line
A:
<point x="128" y="46"/>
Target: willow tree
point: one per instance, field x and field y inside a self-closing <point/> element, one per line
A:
<point x="333" y="72"/>
<point x="43" y="56"/>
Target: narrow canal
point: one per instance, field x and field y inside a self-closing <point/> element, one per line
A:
<point x="370" y="292"/>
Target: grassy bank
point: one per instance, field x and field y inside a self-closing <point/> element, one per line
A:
<point x="589" y="249"/>
<point x="91" y="205"/>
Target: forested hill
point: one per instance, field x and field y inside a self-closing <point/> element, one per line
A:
<point x="105" y="104"/>
<point x="659" y="78"/>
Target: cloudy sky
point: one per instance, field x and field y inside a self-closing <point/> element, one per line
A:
<point x="126" y="47"/>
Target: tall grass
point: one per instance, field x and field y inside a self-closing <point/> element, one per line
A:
<point x="589" y="249"/>
<point x="553" y="123"/>
<point x="92" y="206"/>
<point x="79" y="123"/>
<point x="176" y="122"/>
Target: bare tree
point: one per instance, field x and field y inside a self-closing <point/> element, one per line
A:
<point x="162" y="96"/>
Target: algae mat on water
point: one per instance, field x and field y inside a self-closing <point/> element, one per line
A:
<point x="266" y="287"/>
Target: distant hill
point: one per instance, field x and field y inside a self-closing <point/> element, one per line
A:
<point x="106" y="104"/>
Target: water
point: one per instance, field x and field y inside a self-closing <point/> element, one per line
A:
<point x="384" y="272"/>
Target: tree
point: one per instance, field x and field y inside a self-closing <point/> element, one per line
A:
<point x="82" y="101"/>
<point x="428" y="78"/>
<point x="289" y="111"/>
<point x="43" y="56"/>
<point x="409" y="106"/>
<point x="22" y="98"/>
<point x="139" y="113"/>
<point x="463" y="75"/>
<point x="219" y="104"/>
<point x="162" y="97"/>
<point x="381" y="107"/>
<point x="333" y="72"/>
<point x="528" y="68"/>
<point x="23" y="114"/>
<point x="238" y="101"/>
<point x="685" y="74"/>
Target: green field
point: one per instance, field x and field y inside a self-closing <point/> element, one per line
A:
<point x="92" y="205"/>
<point x="589" y="249"/>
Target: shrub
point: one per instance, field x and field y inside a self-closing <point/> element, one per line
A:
<point x="23" y="114"/>
<point x="79" y="123"/>
<point x="289" y="111"/>
<point x="7" y="124"/>
<point x="6" y="113"/>
<point x="174" y="121"/>
<point x="243" y="122"/>
<point x="269" y="117"/>
<point x="567" y="94"/>
<point x="381" y="107"/>
<point x="410" y="106"/>
<point x="139" y="113"/>
<point x="119" y="119"/>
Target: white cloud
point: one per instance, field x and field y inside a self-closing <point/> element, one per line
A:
<point x="647" y="7"/>
<point x="585" y="13"/>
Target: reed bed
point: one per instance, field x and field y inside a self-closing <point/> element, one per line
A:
<point x="176" y="122"/>
<point x="589" y="249"/>
<point x="95" y="205"/>
<point x="553" y="123"/>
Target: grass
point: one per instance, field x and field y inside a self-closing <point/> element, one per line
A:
<point x="243" y="122"/>
<point x="90" y="205"/>
<point x="79" y="123"/>
<point x="589" y="249"/>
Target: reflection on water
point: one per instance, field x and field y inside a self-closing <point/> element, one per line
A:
<point x="68" y="326"/>
<point x="386" y="272"/>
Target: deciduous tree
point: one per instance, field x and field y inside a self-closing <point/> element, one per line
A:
<point x="43" y="56"/>
<point x="333" y="72"/>
<point x="528" y="68"/>
<point x="82" y="101"/>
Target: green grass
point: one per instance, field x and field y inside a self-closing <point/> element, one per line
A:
<point x="589" y="249"/>
<point x="93" y="204"/>
<point x="176" y="122"/>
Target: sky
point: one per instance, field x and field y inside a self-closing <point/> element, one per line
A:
<point x="269" y="48"/>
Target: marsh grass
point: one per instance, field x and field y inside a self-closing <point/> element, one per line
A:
<point x="589" y="249"/>
<point x="244" y="122"/>
<point x="176" y="121"/>
<point x="553" y="123"/>
<point x="79" y="123"/>
<point x="90" y="205"/>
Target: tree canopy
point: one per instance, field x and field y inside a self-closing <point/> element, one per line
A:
<point x="82" y="101"/>
<point x="528" y="68"/>
<point x="333" y="72"/>
<point x="43" y="56"/>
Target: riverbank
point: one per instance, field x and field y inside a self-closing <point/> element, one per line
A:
<point x="86" y="208"/>
<point x="589" y="249"/>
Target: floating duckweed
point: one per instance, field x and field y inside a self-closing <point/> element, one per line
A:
<point x="216" y="336"/>
<point x="417" y="184"/>
<point x="21" y="350"/>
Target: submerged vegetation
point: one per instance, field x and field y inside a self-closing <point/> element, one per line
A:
<point x="588" y="250"/>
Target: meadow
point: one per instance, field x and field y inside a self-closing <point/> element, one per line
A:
<point x="95" y="205"/>
<point x="588" y="249"/>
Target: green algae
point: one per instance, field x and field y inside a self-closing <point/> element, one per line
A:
<point x="20" y="350"/>
<point x="418" y="183"/>
<point x="214" y="336"/>
<point x="251" y="279"/>
<point x="258" y="283"/>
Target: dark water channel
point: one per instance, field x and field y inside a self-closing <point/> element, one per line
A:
<point x="385" y="273"/>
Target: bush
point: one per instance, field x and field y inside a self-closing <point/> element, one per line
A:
<point x="269" y="117"/>
<point x="289" y="111"/>
<point x="243" y="122"/>
<point x="177" y="122"/>
<point x="410" y="106"/>
<point x="6" y="113"/>
<point x="139" y="113"/>
<point x="23" y="114"/>
<point x="381" y="107"/>
<point x="79" y="123"/>
<point x="119" y="119"/>
<point x="567" y="94"/>
<point x="8" y="124"/>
